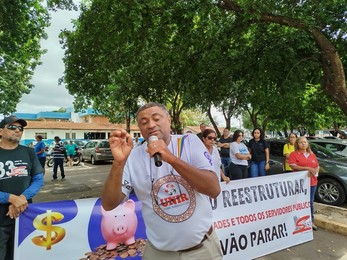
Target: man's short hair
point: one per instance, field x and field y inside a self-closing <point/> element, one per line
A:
<point x="152" y="104"/>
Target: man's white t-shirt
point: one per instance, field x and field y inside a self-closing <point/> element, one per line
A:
<point x="176" y="216"/>
<point x="217" y="163"/>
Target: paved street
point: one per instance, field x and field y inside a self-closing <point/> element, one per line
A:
<point x="87" y="180"/>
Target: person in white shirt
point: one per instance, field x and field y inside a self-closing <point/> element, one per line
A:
<point x="136" y="142"/>
<point x="239" y="155"/>
<point x="175" y="196"/>
<point x="209" y="139"/>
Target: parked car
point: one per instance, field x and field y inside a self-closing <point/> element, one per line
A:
<point x="332" y="178"/>
<point x="78" y="142"/>
<point x="336" y="146"/>
<point x="331" y="137"/>
<point x="96" y="151"/>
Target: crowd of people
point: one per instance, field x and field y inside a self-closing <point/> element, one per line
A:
<point x="194" y="164"/>
<point x="187" y="165"/>
<point x="239" y="160"/>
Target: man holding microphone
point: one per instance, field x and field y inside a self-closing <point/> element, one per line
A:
<point x="173" y="178"/>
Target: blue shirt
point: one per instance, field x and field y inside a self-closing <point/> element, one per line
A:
<point x="38" y="147"/>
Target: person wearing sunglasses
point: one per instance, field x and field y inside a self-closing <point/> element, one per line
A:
<point x="239" y="155"/>
<point x="209" y="139"/>
<point x="175" y="193"/>
<point x="21" y="179"/>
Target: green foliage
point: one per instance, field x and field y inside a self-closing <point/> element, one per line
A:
<point x="195" y="54"/>
<point x="193" y="117"/>
<point x="62" y="109"/>
<point x="22" y="25"/>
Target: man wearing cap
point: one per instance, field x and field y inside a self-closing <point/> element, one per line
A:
<point x="20" y="179"/>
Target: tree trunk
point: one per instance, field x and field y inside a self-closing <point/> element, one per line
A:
<point x="128" y="120"/>
<point x="209" y="114"/>
<point x="333" y="81"/>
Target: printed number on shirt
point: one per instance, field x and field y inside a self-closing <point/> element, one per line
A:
<point x="9" y="169"/>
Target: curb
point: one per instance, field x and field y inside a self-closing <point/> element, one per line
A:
<point x="331" y="218"/>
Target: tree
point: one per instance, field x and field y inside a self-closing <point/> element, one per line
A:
<point x="148" y="51"/>
<point x="189" y="54"/>
<point x="22" y="25"/>
<point x="323" y="21"/>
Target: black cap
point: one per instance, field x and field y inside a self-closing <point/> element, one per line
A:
<point x="11" y="119"/>
<point x="57" y="138"/>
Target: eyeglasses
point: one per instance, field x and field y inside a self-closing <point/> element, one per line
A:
<point x="211" y="138"/>
<point x="14" y="127"/>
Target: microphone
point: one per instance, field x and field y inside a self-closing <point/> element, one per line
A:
<point x="157" y="159"/>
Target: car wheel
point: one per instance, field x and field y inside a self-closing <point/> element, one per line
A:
<point x="92" y="159"/>
<point x="330" y="192"/>
<point x="76" y="160"/>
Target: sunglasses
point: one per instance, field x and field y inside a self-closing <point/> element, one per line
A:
<point x="14" y="127"/>
<point x="211" y="138"/>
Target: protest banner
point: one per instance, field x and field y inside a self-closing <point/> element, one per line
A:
<point x="257" y="216"/>
<point x="252" y="217"/>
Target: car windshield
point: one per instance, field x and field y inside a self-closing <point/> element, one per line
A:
<point x="322" y="152"/>
<point x="80" y="143"/>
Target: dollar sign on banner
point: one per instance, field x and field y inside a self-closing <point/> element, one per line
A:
<point x="54" y="234"/>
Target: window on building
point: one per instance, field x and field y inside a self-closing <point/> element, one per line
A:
<point x="94" y="135"/>
<point x="44" y="135"/>
<point x="70" y="135"/>
<point x="137" y="135"/>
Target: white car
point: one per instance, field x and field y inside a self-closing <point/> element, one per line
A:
<point x="336" y="146"/>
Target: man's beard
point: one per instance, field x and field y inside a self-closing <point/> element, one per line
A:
<point x="14" y="139"/>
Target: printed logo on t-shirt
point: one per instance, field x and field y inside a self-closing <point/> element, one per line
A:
<point x="208" y="156"/>
<point x="13" y="168"/>
<point x="243" y="151"/>
<point x="173" y="199"/>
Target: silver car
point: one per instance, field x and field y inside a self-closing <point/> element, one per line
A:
<point x="332" y="179"/>
<point x="97" y="151"/>
<point x="336" y="146"/>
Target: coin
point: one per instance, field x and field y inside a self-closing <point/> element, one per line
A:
<point x="124" y="251"/>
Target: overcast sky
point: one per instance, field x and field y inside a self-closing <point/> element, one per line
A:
<point x="47" y="95"/>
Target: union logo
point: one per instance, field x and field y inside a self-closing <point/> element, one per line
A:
<point x="302" y="224"/>
<point x="173" y="199"/>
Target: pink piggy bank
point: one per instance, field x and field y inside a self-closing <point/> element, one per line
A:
<point x="119" y="225"/>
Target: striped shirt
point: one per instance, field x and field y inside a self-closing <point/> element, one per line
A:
<point x="58" y="151"/>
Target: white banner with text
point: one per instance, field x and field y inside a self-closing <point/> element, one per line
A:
<point x="252" y="217"/>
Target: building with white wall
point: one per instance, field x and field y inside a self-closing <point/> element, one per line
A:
<point x="69" y="125"/>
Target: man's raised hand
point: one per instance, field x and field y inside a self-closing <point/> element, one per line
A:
<point x="121" y="145"/>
